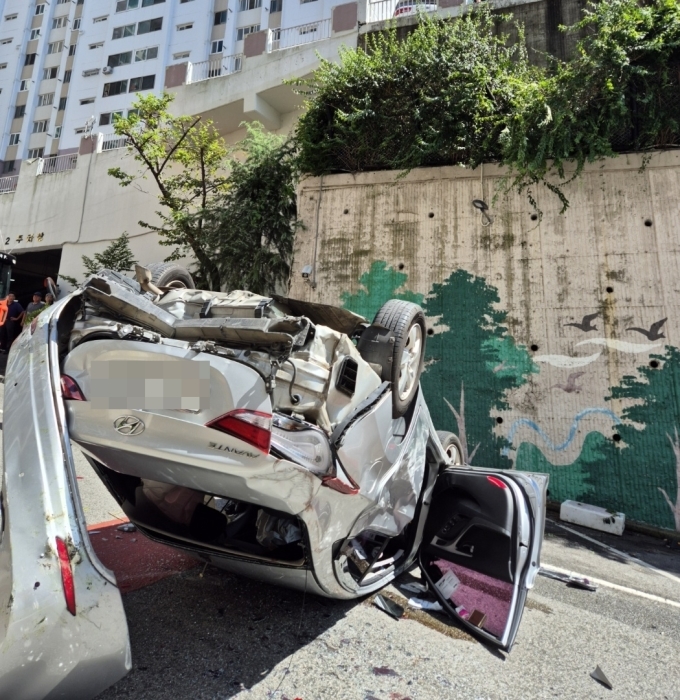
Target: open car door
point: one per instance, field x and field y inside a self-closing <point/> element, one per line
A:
<point x="63" y="632"/>
<point x="481" y="547"/>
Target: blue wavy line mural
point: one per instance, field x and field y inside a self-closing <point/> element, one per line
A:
<point x="572" y="431"/>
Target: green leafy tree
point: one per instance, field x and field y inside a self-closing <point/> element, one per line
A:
<point x="457" y="92"/>
<point x="186" y="158"/>
<point x="471" y="365"/>
<point x="251" y="225"/>
<point x="117" y="256"/>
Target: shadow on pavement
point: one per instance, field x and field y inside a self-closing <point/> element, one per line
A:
<point x="208" y="633"/>
<point x="651" y="550"/>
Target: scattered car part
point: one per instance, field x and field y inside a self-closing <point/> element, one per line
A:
<point x="389" y="606"/>
<point x="598" y="675"/>
<point x="594" y="517"/>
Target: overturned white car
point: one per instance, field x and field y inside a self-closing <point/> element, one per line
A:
<point x="283" y="440"/>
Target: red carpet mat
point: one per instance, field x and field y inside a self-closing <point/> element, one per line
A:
<point x="136" y="560"/>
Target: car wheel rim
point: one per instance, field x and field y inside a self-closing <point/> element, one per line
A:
<point x="453" y="454"/>
<point x="410" y="361"/>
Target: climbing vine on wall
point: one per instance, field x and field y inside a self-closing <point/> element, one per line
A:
<point x="457" y="92"/>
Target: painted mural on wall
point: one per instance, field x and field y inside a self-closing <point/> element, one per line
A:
<point x="620" y="450"/>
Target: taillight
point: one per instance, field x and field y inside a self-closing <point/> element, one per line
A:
<point x="496" y="482"/>
<point x="70" y="390"/>
<point x="253" y="427"/>
<point x="67" y="576"/>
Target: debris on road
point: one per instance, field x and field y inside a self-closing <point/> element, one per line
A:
<point x="571" y="581"/>
<point x="389" y="606"/>
<point x="127" y="527"/>
<point x="413" y="587"/>
<point x="599" y="676"/>
<point x="422" y="604"/>
<point x="593" y="517"/>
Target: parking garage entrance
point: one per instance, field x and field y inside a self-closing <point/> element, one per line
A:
<point x="30" y="272"/>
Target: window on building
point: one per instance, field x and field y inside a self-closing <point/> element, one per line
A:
<point x="35" y="33"/>
<point x="146" y="3"/>
<point x="244" y="5"/>
<point x="118" y="87"/>
<point x="276" y="6"/>
<point x="242" y="32"/>
<point x="67" y="76"/>
<point x="30" y="59"/>
<point x="9" y="18"/>
<point x="217" y="46"/>
<point x="50" y="73"/>
<point x="40" y="127"/>
<point x="76" y="23"/>
<point x="72" y="50"/>
<point x="98" y="45"/>
<point x="14" y="139"/>
<point x="184" y="27"/>
<point x="90" y="72"/>
<point x="87" y="101"/>
<point x="109" y="117"/>
<point x="123" y="5"/>
<point x="3" y="66"/>
<point x="96" y="20"/>
<point x="181" y="2"/>
<point x="62" y="104"/>
<point x="55" y="47"/>
<point x="59" y="22"/>
<point x="62" y="2"/>
<point x="220" y="17"/>
<point x="46" y="99"/>
<point x="57" y="132"/>
<point x="6" y="41"/>
<point x="35" y="153"/>
<point x="79" y="2"/>
<point x="146" y="54"/>
<point x="150" y="25"/>
<point x="145" y="82"/>
<point x="8" y="166"/>
<point x="119" y="59"/>
<point x="121" y="32"/>
<point x="19" y="111"/>
<point x="40" y="9"/>
<point x="24" y="85"/>
<point x="180" y="55"/>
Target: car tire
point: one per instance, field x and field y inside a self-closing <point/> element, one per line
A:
<point x="407" y="322"/>
<point x="171" y="275"/>
<point x="452" y="446"/>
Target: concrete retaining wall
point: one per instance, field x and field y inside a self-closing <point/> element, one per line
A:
<point x="556" y="340"/>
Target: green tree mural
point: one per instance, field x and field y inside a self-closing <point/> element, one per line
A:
<point x="640" y="474"/>
<point x="471" y="364"/>
<point x="380" y="284"/>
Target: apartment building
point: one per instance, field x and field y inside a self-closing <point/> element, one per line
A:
<point x="67" y="67"/>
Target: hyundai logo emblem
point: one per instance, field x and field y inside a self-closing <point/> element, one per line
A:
<point x="129" y="425"/>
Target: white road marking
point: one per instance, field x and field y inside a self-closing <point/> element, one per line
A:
<point x="618" y="552"/>
<point x="615" y="586"/>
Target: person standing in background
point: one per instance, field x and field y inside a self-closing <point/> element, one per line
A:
<point x="12" y="326"/>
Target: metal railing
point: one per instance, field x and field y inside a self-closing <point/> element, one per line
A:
<point x="57" y="164"/>
<point x="387" y="9"/>
<point x="214" y="68"/>
<point x="8" y="184"/>
<point x="110" y="143"/>
<point x="278" y="39"/>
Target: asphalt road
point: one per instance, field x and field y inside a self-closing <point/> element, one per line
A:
<point x="206" y="634"/>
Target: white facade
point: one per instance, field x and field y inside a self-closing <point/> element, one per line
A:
<point x="62" y="72"/>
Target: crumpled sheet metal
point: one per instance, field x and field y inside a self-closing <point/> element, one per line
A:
<point x="396" y="504"/>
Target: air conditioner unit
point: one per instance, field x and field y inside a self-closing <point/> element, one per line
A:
<point x="107" y="69"/>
